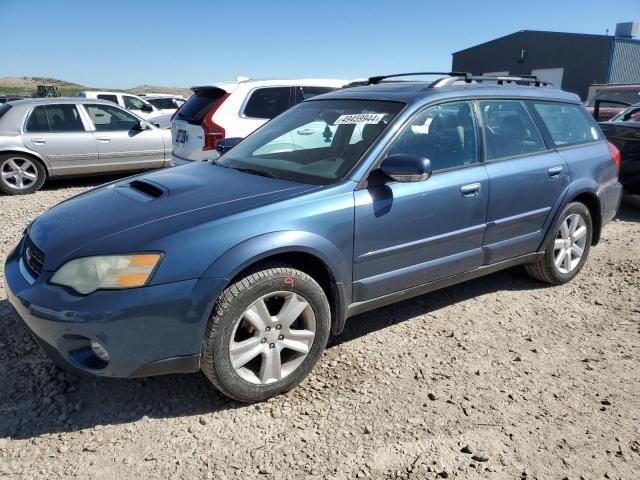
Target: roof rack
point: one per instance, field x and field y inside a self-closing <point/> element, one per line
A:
<point x="379" y="78"/>
<point x="454" y="77"/>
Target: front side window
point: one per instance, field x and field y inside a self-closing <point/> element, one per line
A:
<point x="268" y="103"/>
<point x="108" y="118"/>
<point x="445" y="134"/>
<point x="132" y="103"/>
<point x="55" y="118"/>
<point x="568" y="124"/>
<point x="108" y="98"/>
<point x="314" y="142"/>
<point x="509" y="130"/>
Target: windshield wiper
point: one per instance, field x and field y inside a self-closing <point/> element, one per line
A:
<point x="255" y="171"/>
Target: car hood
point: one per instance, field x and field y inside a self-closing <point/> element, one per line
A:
<point x="152" y="204"/>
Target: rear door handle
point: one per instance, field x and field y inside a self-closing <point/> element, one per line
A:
<point x="103" y="139"/>
<point x="470" y="191"/>
<point x="554" y="172"/>
<point x="39" y="141"/>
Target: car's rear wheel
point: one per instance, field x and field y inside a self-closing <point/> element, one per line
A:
<point x="266" y="333"/>
<point x="20" y="174"/>
<point x="568" y="248"/>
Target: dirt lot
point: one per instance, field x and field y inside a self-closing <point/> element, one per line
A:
<point x="501" y="377"/>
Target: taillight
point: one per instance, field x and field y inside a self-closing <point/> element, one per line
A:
<point x="213" y="132"/>
<point x="615" y="154"/>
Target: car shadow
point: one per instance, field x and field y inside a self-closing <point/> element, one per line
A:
<point x="48" y="400"/>
<point x="88" y="181"/>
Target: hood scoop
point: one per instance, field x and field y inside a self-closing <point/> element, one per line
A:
<point x="142" y="190"/>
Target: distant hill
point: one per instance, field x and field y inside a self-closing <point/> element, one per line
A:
<point x="27" y="86"/>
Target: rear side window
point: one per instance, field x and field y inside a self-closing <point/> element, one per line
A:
<point x="509" y="130"/>
<point x="630" y="97"/>
<point x="108" y="98"/>
<point x="163" y="103"/>
<point x="132" y="103"/>
<point x="268" y="103"/>
<point x="568" y="124"/>
<point x="194" y="110"/>
<point x="55" y="118"/>
<point x="304" y="93"/>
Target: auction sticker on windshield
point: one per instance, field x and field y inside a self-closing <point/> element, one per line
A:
<point x="356" y="118"/>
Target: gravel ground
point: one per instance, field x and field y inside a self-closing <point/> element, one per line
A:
<point x="500" y="377"/>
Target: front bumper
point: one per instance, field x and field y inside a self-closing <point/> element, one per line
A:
<point x="147" y="331"/>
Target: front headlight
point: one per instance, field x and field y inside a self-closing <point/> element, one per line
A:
<point x="86" y="275"/>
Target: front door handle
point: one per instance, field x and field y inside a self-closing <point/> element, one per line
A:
<point x="39" y="141"/>
<point x="554" y="172"/>
<point x="103" y="139"/>
<point x="470" y="191"/>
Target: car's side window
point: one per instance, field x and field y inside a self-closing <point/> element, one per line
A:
<point x="445" y="134"/>
<point x="132" y="103"/>
<point x="108" y="118"/>
<point x="38" y="121"/>
<point x="304" y="93"/>
<point x="509" y="130"/>
<point x="55" y="118"/>
<point x="268" y="103"/>
<point x="108" y="98"/>
<point x="568" y="124"/>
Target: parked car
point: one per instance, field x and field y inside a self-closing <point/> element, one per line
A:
<point x="133" y="103"/>
<point x="244" y="265"/>
<point x="235" y="109"/>
<point x="623" y="131"/>
<point x="164" y="103"/>
<point x="613" y="99"/>
<point x="46" y="138"/>
<point x="10" y="98"/>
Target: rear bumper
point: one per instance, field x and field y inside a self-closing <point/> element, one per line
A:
<point x="146" y="331"/>
<point x="610" y="195"/>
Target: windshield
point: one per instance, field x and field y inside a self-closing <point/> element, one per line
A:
<point x="314" y="142"/>
<point x="625" y="96"/>
<point x="631" y="114"/>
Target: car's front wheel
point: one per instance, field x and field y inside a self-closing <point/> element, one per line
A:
<point x="266" y="333"/>
<point x="20" y="174"/>
<point x="568" y="249"/>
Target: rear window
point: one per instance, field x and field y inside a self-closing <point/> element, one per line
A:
<point x="108" y="98"/>
<point x="568" y="124"/>
<point x="194" y="110"/>
<point x="4" y="108"/>
<point x="630" y="97"/>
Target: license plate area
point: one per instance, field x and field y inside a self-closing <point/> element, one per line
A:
<point x="181" y="136"/>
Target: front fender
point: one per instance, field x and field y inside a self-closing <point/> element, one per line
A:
<point x="241" y="256"/>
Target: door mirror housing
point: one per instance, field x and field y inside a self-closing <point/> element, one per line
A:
<point x="226" y="144"/>
<point x="404" y="167"/>
<point x="146" y="108"/>
<point x="141" y="125"/>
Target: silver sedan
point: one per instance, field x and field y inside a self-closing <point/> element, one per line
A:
<point x="53" y="137"/>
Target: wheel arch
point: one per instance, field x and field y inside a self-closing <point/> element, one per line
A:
<point x="32" y="154"/>
<point x="305" y="251"/>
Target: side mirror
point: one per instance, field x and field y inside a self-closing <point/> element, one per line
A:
<point x="403" y="167"/>
<point x="226" y="144"/>
<point x="141" y="125"/>
<point x="146" y="108"/>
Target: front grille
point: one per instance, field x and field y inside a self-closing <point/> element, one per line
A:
<point x="33" y="257"/>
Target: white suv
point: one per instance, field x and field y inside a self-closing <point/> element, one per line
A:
<point x="235" y="109"/>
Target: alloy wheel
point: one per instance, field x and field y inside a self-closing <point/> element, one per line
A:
<point x="272" y="337"/>
<point x="19" y="173"/>
<point x="570" y="243"/>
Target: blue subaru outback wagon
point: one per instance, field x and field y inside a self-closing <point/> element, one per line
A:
<point x="243" y="266"/>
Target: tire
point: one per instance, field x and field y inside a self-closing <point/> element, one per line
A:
<point x="21" y="174"/>
<point x="283" y="291"/>
<point x="547" y="269"/>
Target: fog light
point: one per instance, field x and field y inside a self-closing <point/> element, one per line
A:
<point x="99" y="351"/>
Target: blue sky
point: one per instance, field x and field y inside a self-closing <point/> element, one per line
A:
<point x="121" y="44"/>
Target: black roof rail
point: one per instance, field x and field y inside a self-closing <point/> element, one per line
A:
<point x="519" y="79"/>
<point x="466" y="76"/>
